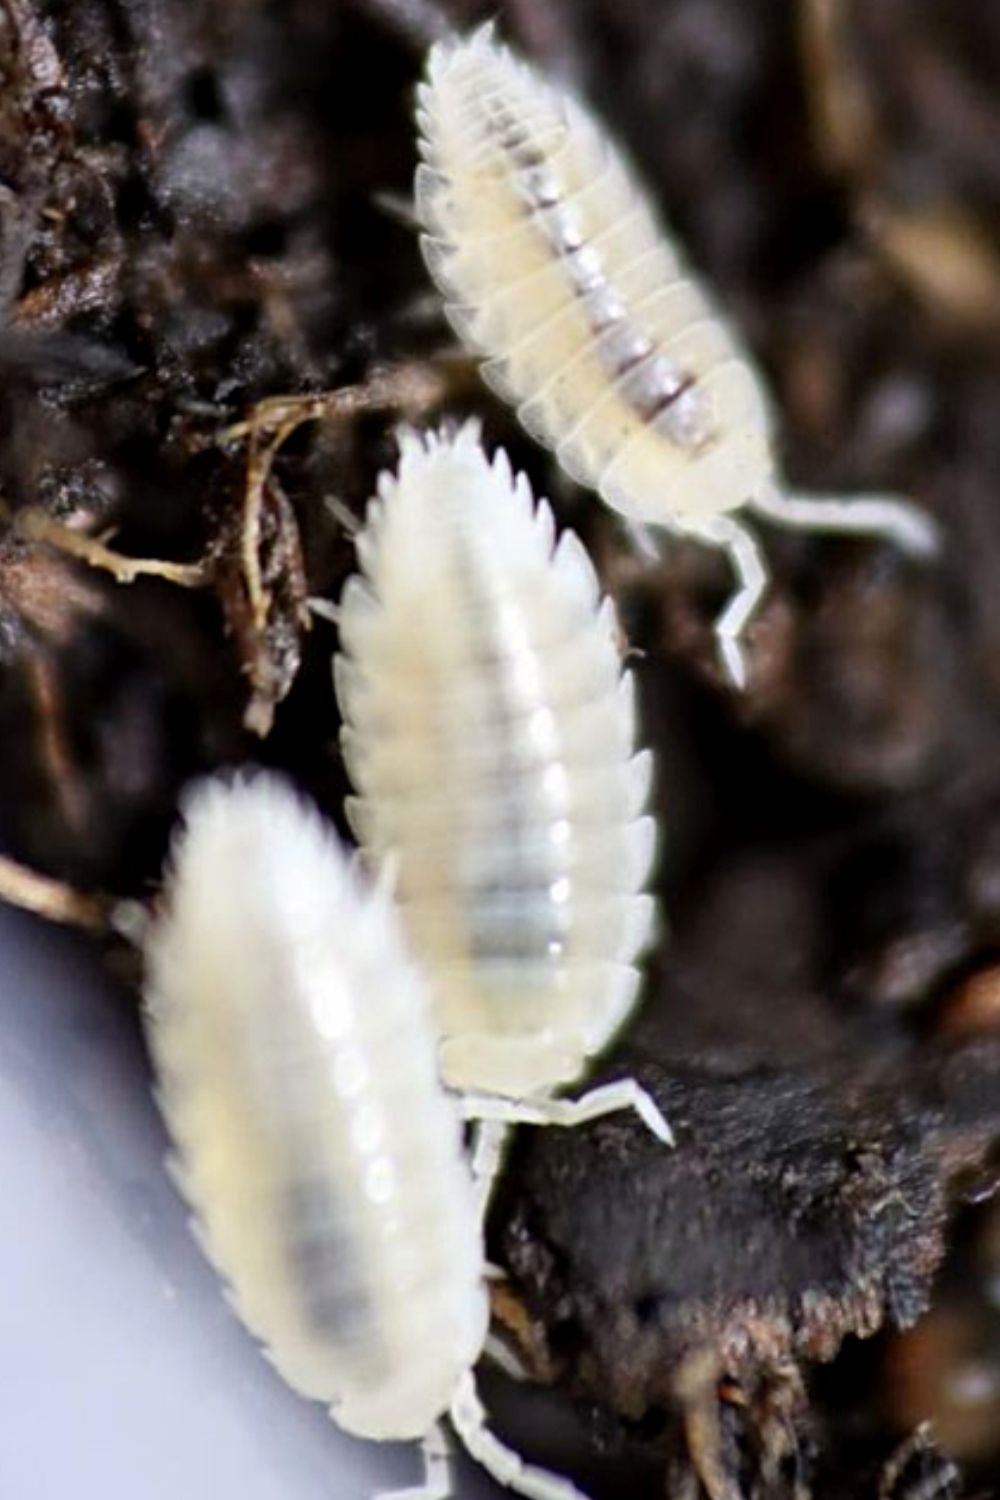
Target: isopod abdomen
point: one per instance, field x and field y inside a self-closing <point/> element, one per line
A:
<point x="491" y="733"/>
<point x="555" y="268"/>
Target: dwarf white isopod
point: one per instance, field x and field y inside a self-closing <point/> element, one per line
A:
<point x="296" y="1068"/>
<point x="555" y="267"/>
<point x="490" y="731"/>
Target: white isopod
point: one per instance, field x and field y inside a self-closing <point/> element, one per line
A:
<point x="295" y="1057"/>
<point x="490" y="731"/>
<point x="554" y="265"/>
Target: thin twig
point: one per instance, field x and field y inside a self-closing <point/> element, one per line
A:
<point x="410" y="388"/>
<point x="38" y="527"/>
<point x="50" y="898"/>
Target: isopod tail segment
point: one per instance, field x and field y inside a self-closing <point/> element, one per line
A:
<point x="496" y="1116"/>
<point x="468" y="1419"/>
<point x="884" y="516"/>
<point x="887" y="516"/>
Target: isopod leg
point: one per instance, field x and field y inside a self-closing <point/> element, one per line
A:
<point x="398" y="208"/>
<point x="871" y="515"/>
<point x="752" y="578"/>
<point x="437" y="1471"/>
<point x="609" y="1099"/>
<point x="504" y="1465"/>
<point x="606" y="1099"/>
<point x="345" y="518"/>
<point x="498" y="1353"/>
<point x="323" y="609"/>
<point x="644" y="540"/>
<point x="488" y="1149"/>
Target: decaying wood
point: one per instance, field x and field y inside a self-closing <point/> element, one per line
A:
<point x="194" y="265"/>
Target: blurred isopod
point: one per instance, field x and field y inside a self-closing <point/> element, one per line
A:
<point x="295" y="1056"/>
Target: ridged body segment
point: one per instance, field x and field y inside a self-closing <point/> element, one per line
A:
<point x="295" y="1057"/>
<point x="554" y="266"/>
<point x="490" y="732"/>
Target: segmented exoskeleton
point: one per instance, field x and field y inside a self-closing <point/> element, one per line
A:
<point x="491" y="732"/>
<point x="554" y="266"/>
<point x="295" y="1057"/>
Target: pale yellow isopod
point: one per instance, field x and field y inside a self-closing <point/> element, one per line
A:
<point x="554" y="266"/>
<point x="295" y="1057"/>
<point x="490" y="731"/>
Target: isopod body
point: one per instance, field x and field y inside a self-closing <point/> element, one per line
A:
<point x="295" y="1058"/>
<point x="555" y="267"/>
<point x="288" y="1027"/>
<point x="490" y="731"/>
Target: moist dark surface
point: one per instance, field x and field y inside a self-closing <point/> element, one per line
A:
<point x="196" y="214"/>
